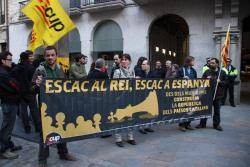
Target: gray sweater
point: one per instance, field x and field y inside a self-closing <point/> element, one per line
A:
<point x="124" y="73"/>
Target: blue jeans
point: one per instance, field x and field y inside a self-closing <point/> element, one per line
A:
<point x="9" y="119"/>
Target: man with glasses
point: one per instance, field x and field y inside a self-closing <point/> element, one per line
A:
<point x="10" y="97"/>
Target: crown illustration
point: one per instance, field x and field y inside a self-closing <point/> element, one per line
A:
<point x="82" y="127"/>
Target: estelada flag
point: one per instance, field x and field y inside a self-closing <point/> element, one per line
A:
<point x="225" y="48"/>
<point x="35" y="39"/>
<point x="49" y="17"/>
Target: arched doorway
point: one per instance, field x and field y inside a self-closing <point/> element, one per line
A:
<point x="168" y="39"/>
<point x="74" y="43"/>
<point x="107" y="41"/>
<point x="245" y="60"/>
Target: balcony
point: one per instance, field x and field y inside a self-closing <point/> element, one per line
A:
<point x="101" y="5"/>
<point x="143" y="2"/>
<point x="75" y="7"/>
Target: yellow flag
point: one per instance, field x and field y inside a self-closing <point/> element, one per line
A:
<point x="59" y="23"/>
<point x="33" y="11"/>
<point x="63" y="62"/>
<point x="35" y="40"/>
<point x="50" y="18"/>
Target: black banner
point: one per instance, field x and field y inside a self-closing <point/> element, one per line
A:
<point x="77" y="109"/>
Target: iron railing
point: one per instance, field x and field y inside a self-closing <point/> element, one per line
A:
<point x="93" y="2"/>
<point x="75" y="3"/>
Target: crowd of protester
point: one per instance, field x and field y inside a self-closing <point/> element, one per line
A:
<point x="19" y="86"/>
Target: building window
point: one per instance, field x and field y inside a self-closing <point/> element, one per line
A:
<point x="107" y="42"/>
<point x="3" y="47"/>
<point x="2" y="12"/>
<point x="74" y="44"/>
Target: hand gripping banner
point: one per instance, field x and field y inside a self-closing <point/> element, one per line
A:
<point x="77" y="109"/>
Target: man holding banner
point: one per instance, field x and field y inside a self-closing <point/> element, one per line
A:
<point x="50" y="69"/>
<point x="51" y="23"/>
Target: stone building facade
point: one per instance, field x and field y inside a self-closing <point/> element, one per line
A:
<point x="3" y="25"/>
<point x="157" y="29"/>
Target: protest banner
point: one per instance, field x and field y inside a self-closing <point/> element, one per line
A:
<point x="77" y="109"/>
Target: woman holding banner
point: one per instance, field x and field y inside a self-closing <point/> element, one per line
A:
<point x="125" y="72"/>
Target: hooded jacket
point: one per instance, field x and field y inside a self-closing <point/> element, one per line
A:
<point x="23" y="73"/>
<point x="9" y="88"/>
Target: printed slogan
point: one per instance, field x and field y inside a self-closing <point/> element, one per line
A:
<point x="77" y="109"/>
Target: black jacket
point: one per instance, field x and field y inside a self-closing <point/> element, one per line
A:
<point x="158" y="73"/>
<point x="213" y="75"/>
<point x="23" y="73"/>
<point x="9" y="88"/>
<point x="184" y="72"/>
<point x="138" y="71"/>
<point x="143" y="74"/>
<point x="97" y="74"/>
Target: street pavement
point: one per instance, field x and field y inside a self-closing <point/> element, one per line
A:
<point x="166" y="147"/>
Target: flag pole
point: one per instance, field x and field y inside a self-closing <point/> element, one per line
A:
<point x="217" y="83"/>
